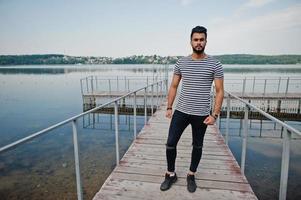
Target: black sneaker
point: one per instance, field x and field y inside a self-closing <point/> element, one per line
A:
<point x="169" y="180"/>
<point x="191" y="185"/>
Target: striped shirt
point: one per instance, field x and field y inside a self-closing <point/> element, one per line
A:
<point x="197" y="77"/>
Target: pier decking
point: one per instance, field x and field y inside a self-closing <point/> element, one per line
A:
<point x="142" y="168"/>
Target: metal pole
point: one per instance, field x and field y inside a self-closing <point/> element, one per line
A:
<point x="110" y="89"/>
<point x="152" y="103"/>
<point x="166" y="80"/>
<point x="244" y="141"/>
<point x="128" y="84"/>
<point x="116" y="132"/>
<point x="161" y="92"/>
<point x="284" y="164"/>
<point x="76" y="160"/>
<point x="135" y="115"/>
<point x="287" y="83"/>
<point x="279" y="85"/>
<point x="228" y="119"/>
<point x="81" y="86"/>
<point x="96" y="83"/>
<point x="125" y="83"/>
<point x="117" y="85"/>
<point x="265" y="86"/>
<point x="244" y="87"/>
<point x="87" y="84"/>
<point x="92" y="88"/>
<point x="145" y="111"/>
<point x="157" y="95"/>
<point x="253" y="85"/>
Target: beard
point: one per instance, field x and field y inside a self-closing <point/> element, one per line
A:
<point x="199" y="50"/>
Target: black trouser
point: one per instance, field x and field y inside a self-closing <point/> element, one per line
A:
<point x="178" y="124"/>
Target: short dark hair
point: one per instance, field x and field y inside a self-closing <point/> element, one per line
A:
<point x="198" y="29"/>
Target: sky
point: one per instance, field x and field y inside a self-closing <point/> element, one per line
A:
<point x="119" y="28"/>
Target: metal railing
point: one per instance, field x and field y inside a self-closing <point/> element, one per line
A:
<point x="264" y="85"/>
<point x="73" y="120"/>
<point x="287" y="135"/>
<point x="92" y="84"/>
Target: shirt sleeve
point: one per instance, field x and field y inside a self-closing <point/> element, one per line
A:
<point x="219" y="72"/>
<point x="177" y="70"/>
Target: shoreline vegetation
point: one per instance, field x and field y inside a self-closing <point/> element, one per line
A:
<point x="57" y="59"/>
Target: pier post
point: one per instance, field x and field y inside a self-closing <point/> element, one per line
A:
<point x="278" y="106"/>
<point x="244" y="140"/>
<point x="145" y="109"/>
<point x="228" y="119"/>
<point x="116" y="132"/>
<point x="76" y="160"/>
<point x="135" y="115"/>
<point x="284" y="164"/>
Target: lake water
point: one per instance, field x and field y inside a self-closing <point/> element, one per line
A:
<point x="35" y="97"/>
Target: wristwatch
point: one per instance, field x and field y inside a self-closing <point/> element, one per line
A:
<point x="169" y="108"/>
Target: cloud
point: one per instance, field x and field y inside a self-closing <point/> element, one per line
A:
<point x="251" y="4"/>
<point x="275" y="32"/>
<point x="186" y="2"/>
<point x="257" y="3"/>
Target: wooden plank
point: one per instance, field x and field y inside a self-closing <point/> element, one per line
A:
<point x="212" y="164"/>
<point x="201" y="183"/>
<point x="141" y="170"/>
<point x="125" y="189"/>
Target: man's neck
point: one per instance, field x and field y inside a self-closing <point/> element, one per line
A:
<point x="196" y="56"/>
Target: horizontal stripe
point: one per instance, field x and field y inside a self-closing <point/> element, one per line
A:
<point x="197" y="77"/>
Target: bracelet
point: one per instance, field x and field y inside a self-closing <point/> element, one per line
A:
<point x="215" y="116"/>
<point x="169" y="108"/>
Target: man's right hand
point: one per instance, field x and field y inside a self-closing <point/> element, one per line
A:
<point x="168" y="113"/>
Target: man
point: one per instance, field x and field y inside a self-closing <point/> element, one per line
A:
<point x="197" y="72"/>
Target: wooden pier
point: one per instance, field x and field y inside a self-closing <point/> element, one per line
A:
<point x="142" y="168"/>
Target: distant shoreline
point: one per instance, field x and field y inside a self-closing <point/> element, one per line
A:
<point x="59" y="59"/>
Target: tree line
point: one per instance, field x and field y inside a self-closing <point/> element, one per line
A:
<point x="56" y="59"/>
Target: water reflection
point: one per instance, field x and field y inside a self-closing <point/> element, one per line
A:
<point x="44" y="168"/>
<point x="263" y="158"/>
<point x="65" y="69"/>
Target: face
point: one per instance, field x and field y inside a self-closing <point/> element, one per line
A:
<point x="198" y="42"/>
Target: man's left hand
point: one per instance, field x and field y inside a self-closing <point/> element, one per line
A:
<point x="209" y="120"/>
